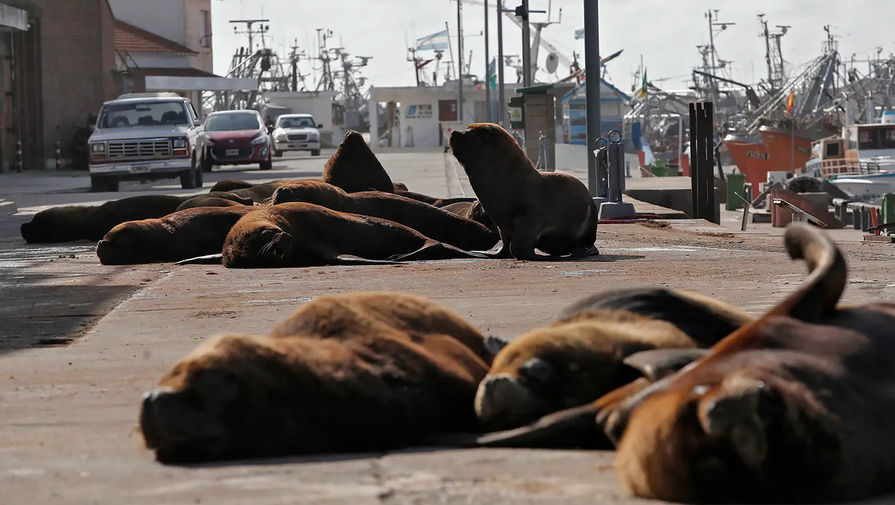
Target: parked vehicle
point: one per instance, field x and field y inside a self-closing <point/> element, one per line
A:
<point x="144" y="136"/>
<point x="296" y="132"/>
<point x="234" y="137"/>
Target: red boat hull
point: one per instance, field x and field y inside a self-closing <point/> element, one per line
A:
<point x="774" y="153"/>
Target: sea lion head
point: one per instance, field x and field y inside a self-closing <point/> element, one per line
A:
<point x="54" y="225"/>
<point x="484" y="145"/>
<point x="560" y="366"/>
<point x="131" y="242"/>
<point x="354" y="167"/>
<point x="222" y="401"/>
<point x="257" y="243"/>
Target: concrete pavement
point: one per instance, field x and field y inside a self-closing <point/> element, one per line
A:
<point x="80" y="342"/>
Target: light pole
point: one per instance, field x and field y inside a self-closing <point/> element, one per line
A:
<point x="526" y="46"/>
<point x="501" y="99"/>
<point x="487" y="70"/>
<point x="459" y="60"/>
<point x="592" y="87"/>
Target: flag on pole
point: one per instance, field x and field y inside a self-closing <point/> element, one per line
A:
<point x="492" y="73"/>
<point x="435" y="41"/>
<point x="790" y="101"/>
<point x="643" y="87"/>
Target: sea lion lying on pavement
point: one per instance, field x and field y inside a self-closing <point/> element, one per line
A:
<point x="261" y="192"/>
<point x="304" y="234"/>
<point x="794" y="407"/>
<point x="215" y="199"/>
<point x="180" y="235"/>
<point x="581" y="357"/>
<point x="552" y="212"/>
<point x="426" y="219"/>
<point x="81" y="222"/>
<point x="354" y="372"/>
<point x="472" y="210"/>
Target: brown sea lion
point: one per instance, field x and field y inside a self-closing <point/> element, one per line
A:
<point x="552" y="211"/>
<point x="355" y="372"/>
<point x="304" y="234"/>
<point x="354" y="167"/>
<point x="472" y="210"/>
<point x="179" y="235"/>
<point x="794" y="407"/>
<point x="81" y="222"/>
<point x="583" y="356"/>
<point x="426" y="219"/>
<point x="229" y="185"/>
<point x="215" y="199"/>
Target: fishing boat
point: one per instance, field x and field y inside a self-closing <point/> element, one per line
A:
<point x="860" y="161"/>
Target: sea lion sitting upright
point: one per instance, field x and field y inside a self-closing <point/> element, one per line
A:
<point x="353" y="372"/>
<point x="354" y="167"/>
<point x="552" y="212"/>
<point x="304" y="234"/>
<point x="426" y="219"/>
<point x="584" y="355"/>
<point x="794" y="407"/>
<point x="180" y="235"/>
<point x="80" y="222"/>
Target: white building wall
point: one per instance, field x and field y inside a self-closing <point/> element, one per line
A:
<point x="162" y="17"/>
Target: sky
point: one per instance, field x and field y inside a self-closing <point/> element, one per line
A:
<point x="665" y="34"/>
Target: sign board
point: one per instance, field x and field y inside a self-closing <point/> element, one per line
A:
<point x="419" y="111"/>
<point x="515" y="114"/>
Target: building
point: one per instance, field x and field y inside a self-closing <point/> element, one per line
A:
<point x="58" y="65"/>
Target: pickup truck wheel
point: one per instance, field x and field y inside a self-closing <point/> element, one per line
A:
<point x="315" y="152"/>
<point x="188" y="179"/>
<point x="100" y="184"/>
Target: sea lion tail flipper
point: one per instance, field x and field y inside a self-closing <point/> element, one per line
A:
<point x="494" y="344"/>
<point x="208" y="259"/>
<point x="657" y="364"/>
<point x="434" y="250"/>
<point x="574" y="427"/>
<point x="821" y="290"/>
<point x="349" y="259"/>
<point x="499" y="251"/>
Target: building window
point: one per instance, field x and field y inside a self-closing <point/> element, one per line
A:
<point x="205" y="39"/>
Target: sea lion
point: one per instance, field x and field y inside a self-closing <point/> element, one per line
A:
<point x="353" y="372"/>
<point x="472" y="210"/>
<point x="81" y="222"/>
<point x="304" y="234"/>
<point x="583" y="356"/>
<point x="215" y="199"/>
<point x="183" y="234"/>
<point x="354" y="167"/>
<point x="794" y="407"/>
<point x="229" y="185"/>
<point x="551" y="211"/>
<point x="426" y="219"/>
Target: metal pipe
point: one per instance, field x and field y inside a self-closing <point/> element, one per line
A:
<point x="501" y="99"/>
<point x="487" y="71"/>
<point x="459" y="60"/>
<point x="592" y="86"/>
<point x="526" y="47"/>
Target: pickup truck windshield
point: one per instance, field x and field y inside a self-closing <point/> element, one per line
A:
<point x="230" y="122"/>
<point x="296" y="122"/>
<point x="124" y="115"/>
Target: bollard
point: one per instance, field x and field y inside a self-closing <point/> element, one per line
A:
<point x="614" y="208"/>
<point x="602" y="172"/>
<point x="58" y="155"/>
<point x="18" y="155"/>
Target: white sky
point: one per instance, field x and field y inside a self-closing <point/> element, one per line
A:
<point x="664" y="32"/>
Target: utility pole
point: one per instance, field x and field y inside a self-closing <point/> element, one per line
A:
<point x="522" y="11"/>
<point x="460" y="60"/>
<point x="487" y="71"/>
<point x="592" y="87"/>
<point x="501" y="99"/>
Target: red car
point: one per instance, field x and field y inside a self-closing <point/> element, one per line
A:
<point x="234" y="137"/>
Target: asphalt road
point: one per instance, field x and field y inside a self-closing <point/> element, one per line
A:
<point x="80" y="342"/>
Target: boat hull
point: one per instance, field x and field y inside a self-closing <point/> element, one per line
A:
<point x="771" y="152"/>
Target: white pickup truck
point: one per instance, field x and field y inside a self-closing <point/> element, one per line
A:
<point x="142" y="136"/>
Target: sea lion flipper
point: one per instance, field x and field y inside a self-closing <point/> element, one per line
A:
<point x="208" y="259"/>
<point x="494" y="344"/>
<point x="656" y="364"/>
<point x="350" y="259"/>
<point x="574" y="427"/>
<point x="434" y="250"/>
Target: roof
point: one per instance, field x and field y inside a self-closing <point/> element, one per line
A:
<point x="144" y="99"/>
<point x="175" y="72"/>
<point x="227" y="112"/>
<point x="621" y="94"/>
<point x="137" y="40"/>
